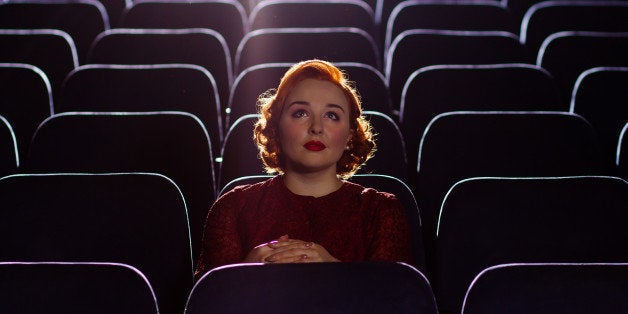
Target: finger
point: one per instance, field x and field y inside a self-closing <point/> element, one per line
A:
<point x="290" y="255"/>
<point x="281" y="246"/>
<point x="301" y="258"/>
<point x="284" y="243"/>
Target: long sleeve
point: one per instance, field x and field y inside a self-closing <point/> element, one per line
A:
<point x="391" y="233"/>
<point x="221" y="242"/>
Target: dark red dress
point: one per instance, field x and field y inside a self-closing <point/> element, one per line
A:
<point x="353" y="223"/>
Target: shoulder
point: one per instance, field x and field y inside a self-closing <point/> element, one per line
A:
<point x="372" y="198"/>
<point x="242" y="193"/>
<point x="369" y="193"/>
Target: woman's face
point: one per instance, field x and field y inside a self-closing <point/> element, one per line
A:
<point x="314" y="126"/>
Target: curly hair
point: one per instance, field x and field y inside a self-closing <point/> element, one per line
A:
<point x="270" y="106"/>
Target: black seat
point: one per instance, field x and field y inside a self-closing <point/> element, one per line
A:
<point x="390" y="157"/>
<point x="178" y="87"/>
<point x="334" y="44"/>
<point x="253" y="81"/>
<point x="471" y="15"/>
<point x="174" y="144"/>
<point x="227" y="17"/>
<point x="549" y="17"/>
<point x="567" y="54"/>
<point x="134" y="219"/>
<point x="67" y="287"/>
<point x="199" y="46"/>
<point x="599" y="95"/>
<point x="436" y="89"/>
<point x="83" y="20"/>
<point x="357" y="288"/>
<point x="622" y="153"/>
<point x="460" y="145"/>
<point x="549" y="288"/>
<point x="239" y="154"/>
<point x="52" y="51"/>
<point x="9" y="156"/>
<point x="25" y="100"/>
<point x="490" y="221"/>
<point x="414" y="49"/>
<point x="298" y="13"/>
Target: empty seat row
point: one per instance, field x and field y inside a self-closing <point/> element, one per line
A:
<point x="72" y="287"/>
<point x="118" y="88"/>
<point x="561" y="53"/>
<point x="140" y="220"/>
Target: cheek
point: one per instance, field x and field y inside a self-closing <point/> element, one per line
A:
<point x="289" y="132"/>
<point x="340" y="137"/>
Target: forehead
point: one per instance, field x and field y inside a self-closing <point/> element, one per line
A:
<point x="315" y="91"/>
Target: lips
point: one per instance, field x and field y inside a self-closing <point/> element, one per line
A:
<point x="314" y="146"/>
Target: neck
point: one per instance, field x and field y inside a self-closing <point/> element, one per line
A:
<point x="311" y="184"/>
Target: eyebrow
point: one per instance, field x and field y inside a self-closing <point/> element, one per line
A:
<point x="305" y="103"/>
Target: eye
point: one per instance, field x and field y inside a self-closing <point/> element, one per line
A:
<point x="299" y="113"/>
<point x="332" y="115"/>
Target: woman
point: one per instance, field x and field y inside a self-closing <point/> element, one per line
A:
<point x="312" y="133"/>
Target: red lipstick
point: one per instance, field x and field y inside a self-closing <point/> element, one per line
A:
<point x="314" y="146"/>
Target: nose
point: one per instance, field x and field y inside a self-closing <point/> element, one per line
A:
<point x="316" y="127"/>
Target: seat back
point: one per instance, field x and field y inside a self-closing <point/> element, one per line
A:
<point x="83" y="20"/>
<point x="202" y="47"/>
<point x="318" y="13"/>
<point x="414" y="49"/>
<point x="174" y="144"/>
<point x="390" y="157"/>
<point x="549" y="17"/>
<point x="599" y="95"/>
<point x="621" y="159"/>
<point x="490" y="221"/>
<point x="558" y="287"/>
<point x="254" y="81"/>
<point x="52" y="51"/>
<point x="334" y="44"/>
<point x="358" y="288"/>
<point x="177" y="87"/>
<point x="567" y="54"/>
<point x="135" y="219"/>
<point x="436" y="89"/>
<point x="70" y="287"/>
<point x="25" y="100"/>
<point x="471" y="15"/>
<point x="460" y="145"/>
<point x="239" y="155"/>
<point x="9" y="156"/>
<point x="227" y="17"/>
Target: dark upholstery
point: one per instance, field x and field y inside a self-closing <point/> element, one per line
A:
<point x="53" y="287"/>
<point x="174" y="144"/>
<point x="357" y="288"/>
<point x="549" y="289"/>
<point x="25" y="100"/>
<point x="135" y="219"/>
<point x="490" y="221"/>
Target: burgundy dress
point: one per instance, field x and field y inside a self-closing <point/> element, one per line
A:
<point x="353" y="223"/>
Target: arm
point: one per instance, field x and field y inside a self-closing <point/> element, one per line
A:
<point x="391" y="239"/>
<point x="221" y="242"/>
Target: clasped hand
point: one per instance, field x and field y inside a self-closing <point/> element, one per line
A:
<point x="286" y="250"/>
